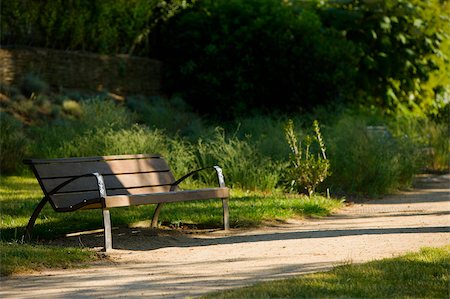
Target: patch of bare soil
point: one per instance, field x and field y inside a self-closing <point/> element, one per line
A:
<point x="179" y="264"/>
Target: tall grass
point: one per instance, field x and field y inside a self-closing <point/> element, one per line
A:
<point x="252" y="151"/>
<point x="244" y="165"/>
<point x="430" y="137"/>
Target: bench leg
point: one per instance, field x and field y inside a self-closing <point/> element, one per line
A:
<point x="33" y="218"/>
<point x="156" y="215"/>
<point x="226" y="218"/>
<point x="107" y="227"/>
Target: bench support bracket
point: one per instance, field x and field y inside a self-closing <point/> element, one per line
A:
<point x="156" y="215"/>
<point x="33" y="218"/>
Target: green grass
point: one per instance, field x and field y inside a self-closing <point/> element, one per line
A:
<point x="415" y="275"/>
<point x="20" y="194"/>
<point x="19" y="258"/>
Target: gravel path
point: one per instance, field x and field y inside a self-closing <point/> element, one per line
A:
<point x="175" y="265"/>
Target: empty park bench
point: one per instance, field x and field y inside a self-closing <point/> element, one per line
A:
<point x="71" y="184"/>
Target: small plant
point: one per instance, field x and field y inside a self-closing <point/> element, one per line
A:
<point x="306" y="169"/>
<point x="72" y="107"/>
<point x="32" y="84"/>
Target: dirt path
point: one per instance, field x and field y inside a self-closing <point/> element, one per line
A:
<point x="175" y="265"/>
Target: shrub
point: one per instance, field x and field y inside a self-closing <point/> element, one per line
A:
<point x="13" y="144"/>
<point x="173" y="115"/>
<point x="98" y="119"/>
<point x="440" y="143"/>
<point x="369" y="161"/>
<point x="105" y="141"/>
<point x="32" y="84"/>
<point x="108" y="26"/>
<point x="403" y="45"/>
<point x="240" y="56"/>
<point x="305" y="169"/>
<point x="72" y="108"/>
<point x="265" y="133"/>
<point x="431" y="138"/>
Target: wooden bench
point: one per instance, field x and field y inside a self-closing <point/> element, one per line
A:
<point x="71" y="184"/>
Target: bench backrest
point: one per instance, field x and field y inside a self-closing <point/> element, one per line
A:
<point x="123" y="175"/>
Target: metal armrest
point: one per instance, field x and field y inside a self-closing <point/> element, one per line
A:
<point x="100" y="184"/>
<point x="218" y="170"/>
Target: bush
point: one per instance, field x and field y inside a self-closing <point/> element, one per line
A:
<point x="366" y="158"/>
<point x="32" y="84"/>
<point x="108" y="26"/>
<point x="84" y="135"/>
<point x="403" y="45"/>
<point x="13" y="144"/>
<point x="265" y="133"/>
<point x="238" y="56"/>
<point x="307" y="169"/>
<point x="172" y="115"/>
<point x="431" y="138"/>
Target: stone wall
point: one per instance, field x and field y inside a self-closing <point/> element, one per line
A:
<point x="119" y="74"/>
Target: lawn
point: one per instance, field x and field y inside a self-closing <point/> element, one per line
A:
<point x="416" y="275"/>
<point x="20" y="194"/>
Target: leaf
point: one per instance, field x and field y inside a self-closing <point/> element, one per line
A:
<point x="374" y="34"/>
<point x="401" y="38"/>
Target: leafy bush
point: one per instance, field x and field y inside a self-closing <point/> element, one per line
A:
<point x="431" y="138"/>
<point x="82" y="136"/>
<point x="172" y="115"/>
<point x="264" y="132"/>
<point x="72" y="107"/>
<point x="366" y="158"/>
<point x="13" y="144"/>
<point x="403" y="45"/>
<point x="32" y="84"/>
<point x="238" y="56"/>
<point x="305" y="169"/>
<point x="108" y="26"/>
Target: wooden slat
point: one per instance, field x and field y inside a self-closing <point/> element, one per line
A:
<point x="90" y="159"/>
<point x="122" y="181"/>
<point x="59" y="170"/>
<point x="164" y="197"/>
<point x="65" y="200"/>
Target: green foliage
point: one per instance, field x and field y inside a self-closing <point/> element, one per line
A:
<point x="306" y="169"/>
<point x="366" y="158"/>
<point x="13" y="143"/>
<point x="172" y="115"/>
<point x="265" y="133"/>
<point x="32" y="84"/>
<point x="415" y="275"/>
<point x="253" y="157"/>
<point x="240" y="56"/>
<point x="96" y="131"/>
<point x="107" y="26"/>
<point x="431" y="139"/>
<point x="244" y="166"/>
<point x="404" y="49"/>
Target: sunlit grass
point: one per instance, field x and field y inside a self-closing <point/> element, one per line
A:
<point x="18" y="258"/>
<point x="415" y="275"/>
<point x="20" y="195"/>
